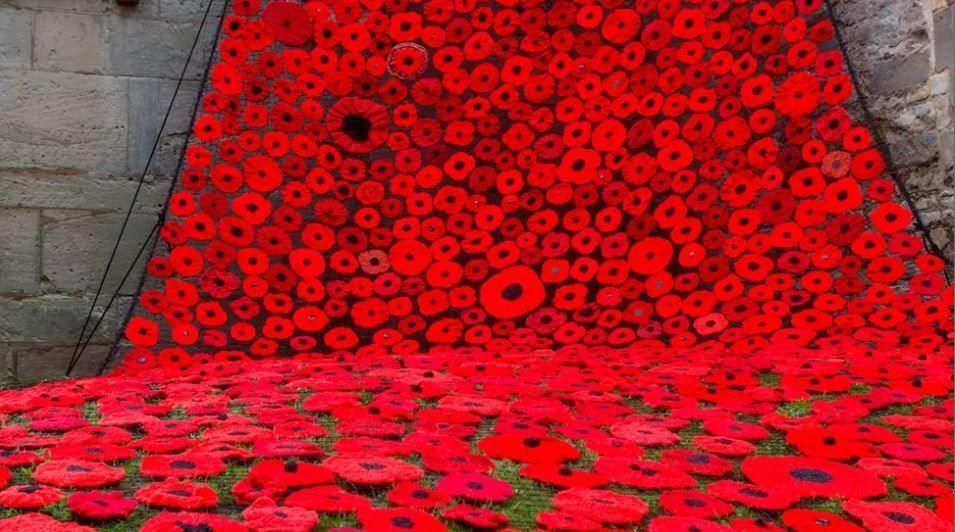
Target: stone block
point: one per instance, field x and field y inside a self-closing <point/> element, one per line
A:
<point x="901" y="73"/>
<point x="57" y="319"/>
<point x="16" y="37"/>
<point x="155" y="48"/>
<point x="76" y="247"/>
<point x="52" y="191"/>
<point x="32" y="363"/>
<point x="187" y="9"/>
<point x="19" y="251"/>
<point x="69" y="42"/>
<point x="878" y="30"/>
<point x="73" y="6"/>
<point x="63" y="122"/>
<point x="944" y="31"/>
<point x="151" y="98"/>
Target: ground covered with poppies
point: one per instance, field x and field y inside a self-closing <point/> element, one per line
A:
<point x="845" y="439"/>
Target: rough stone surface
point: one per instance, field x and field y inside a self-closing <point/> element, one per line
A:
<point x="63" y="122"/>
<point x="72" y="42"/>
<point x="84" y="85"/>
<point x="903" y="53"/>
<point x="19" y="251"/>
<point x="16" y="37"/>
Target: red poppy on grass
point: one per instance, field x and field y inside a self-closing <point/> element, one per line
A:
<point x="602" y="505"/>
<point x="100" y="505"/>
<point x="289" y="473"/>
<point x="817" y="521"/>
<point x="29" y="497"/>
<point x="396" y="520"/>
<point x="186" y="465"/>
<point x="179" y="495"/>
<point x="369" y="469"/>
<point x="894" y="516"/>
<point x="475" y="487"/>
<point x="328" y="499"/>
<point x="41" y="522"/>
<point x="265" y="515"/>
<point x="73" y="473"/>
<point x="529" y="449"/>
<point x="753" y="496"/>
<point x="483" y="518"/>
<point x="189" y="521"/>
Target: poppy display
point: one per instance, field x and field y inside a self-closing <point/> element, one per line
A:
<point x="515" y="266"/>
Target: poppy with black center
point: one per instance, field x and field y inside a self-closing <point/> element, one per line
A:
<point x="100" y="505"/>
<point x="752" y="496"/>
<point x="399" y="520"/>
<point x="895" y="516"/>
<point x="528" y="449"/>
<point x="475" y="487"/>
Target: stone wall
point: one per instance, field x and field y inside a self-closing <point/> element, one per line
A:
<point x="84" y="85"/>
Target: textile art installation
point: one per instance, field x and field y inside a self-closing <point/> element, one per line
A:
<point x="516" y="264"/>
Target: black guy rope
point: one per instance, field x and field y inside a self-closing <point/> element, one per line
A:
<point x="83" y="340"/>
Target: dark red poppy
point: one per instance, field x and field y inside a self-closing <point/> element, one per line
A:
<point x="100" y="505"/>
<point x="74" y="473"/>
<point x="886" y="516"/>
<point x="813" y="477"/>
<point x="264" y="514"/>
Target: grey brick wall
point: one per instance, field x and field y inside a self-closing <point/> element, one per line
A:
<point x="84" y="83"/>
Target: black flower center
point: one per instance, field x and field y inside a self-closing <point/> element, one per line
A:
<point x="899" y="517"/>
<point x="512" y="292"/>
<point x="402" y="522"/>
<point x="816" y="476"/>
<point x="357" y="127"/>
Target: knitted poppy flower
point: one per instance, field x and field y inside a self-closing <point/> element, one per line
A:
<point x="188" y="521"/>
<point x="264" y="514"/>
<point x="752" y="496"/>
<point x="73" y="473"/>
<point x="389" y="520"/>
<point x="357" y="125"/>
<point x="813" y="477"/>
<point x="181" y="466"/>
<point x="644" y="434"/>
<point x="666" y="522"/>
<point x="694" y="504"/>
<point x="369" y="469"/>
<point x="512" y="292"/>
<point x="287" y="22"/>
<point x="817" y="521"/>
<point x="100" y="505"/>
<point x="644" y="474"/>
<point x="696" y="462"/>
<point x="475" y="516"/>
<point x="529" y="449"/>
<point x="414" y="495"/>
<point x="475" y="487"/>
<point x="179" y="495"/>
<point x="29" y="497"/>
<point x="289" y="473"/>
<point x="886" y="516"/>
<point x="602" y="505"/>
<point x="329" y="499"/>
<point x="562" y="476"/>
<point x="37" y="521"/>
